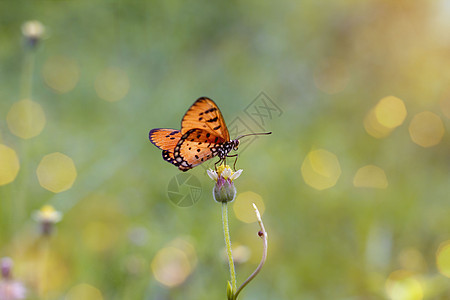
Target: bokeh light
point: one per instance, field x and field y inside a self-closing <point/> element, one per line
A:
<point x="173" y="264"/>
<point x="412" y="259"/>
<point x="402" y="285"/>
<point x="331" y="76"/>
<point x="112" y="84"/>
<point x="373" y="126"/>
<point x="9" y="164"/>
<point x="443" y="258"/>
<point x="370" y="176"/>
<point x="390" y="112"/>
<point x="243" y="206"/>
<point x="426" y="129"/>
<point x="321" y="169"/>
<point x="241" y="254"/>
<point x="84" y="291"/>
<point x="445" y="105"/>
<point x="61" y="73"/>
<point x="56" y="172"/>
<point x="26" y="119"/>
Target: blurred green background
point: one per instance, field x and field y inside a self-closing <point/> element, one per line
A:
<point x="354" y="185"/>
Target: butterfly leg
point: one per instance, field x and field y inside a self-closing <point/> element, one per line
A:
<point x="218" y="162"/>
<point x="234" y="155"/>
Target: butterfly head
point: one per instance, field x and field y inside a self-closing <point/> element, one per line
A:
<point x="235" y="144"/>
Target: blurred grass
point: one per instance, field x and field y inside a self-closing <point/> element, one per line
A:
<point x="338" y="243"/>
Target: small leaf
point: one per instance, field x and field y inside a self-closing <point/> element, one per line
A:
<point x="229" y="291"/>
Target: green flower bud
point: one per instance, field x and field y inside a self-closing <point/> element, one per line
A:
<point x="224" y="190"/>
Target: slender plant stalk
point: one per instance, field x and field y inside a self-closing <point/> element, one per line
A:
<point x="263" y="235"/>
<point x="45" y="252"/>
<point x="226" y="233"/>
<point x="26" y="88"/>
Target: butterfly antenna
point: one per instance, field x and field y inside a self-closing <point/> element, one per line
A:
<point x="260" y="133"/>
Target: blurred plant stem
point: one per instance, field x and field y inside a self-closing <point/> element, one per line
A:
<point x="27" y="74"/>
<point x="263" y="235"/>
<point x="226" y="233"/>
<point x="25" y="93"/>
<point x="44" y="249"/>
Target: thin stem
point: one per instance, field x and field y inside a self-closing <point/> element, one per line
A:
<point x="228" y="245"/>
<point x="263" y="235"/>
<point x="45" y="252"/>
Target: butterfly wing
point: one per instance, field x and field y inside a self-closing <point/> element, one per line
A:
<point x="166" y="140"/>
<point x="205" y="115"/>
<point x="195" y="147"/>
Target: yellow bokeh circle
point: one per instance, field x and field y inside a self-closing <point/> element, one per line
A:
<point x="9" y="165"/>
<point x="445" y="105"/>
<point x="84" y="291"/>
<point x="370" y="176"/>
<point x="171" y="266"/>
<point x="56" y="172"/>
<point x="443" y="259"/>
<point x="61" y="73"/>
<point x="243" y="206"/>
<point x="26" y="119"/>
<point x="321" y="169"/>
<point x="426" y="129"/>
<point x="373" y="126"/>
<point x="390" y="112"/>
<point x="112" y="84"/>
<point x="402" y="285"/>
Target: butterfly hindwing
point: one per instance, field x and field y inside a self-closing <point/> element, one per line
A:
<point x="205" y="115"/>
<point x="195" y="147"/>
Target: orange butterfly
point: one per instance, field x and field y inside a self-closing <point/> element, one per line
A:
<point x="203" y="135"/>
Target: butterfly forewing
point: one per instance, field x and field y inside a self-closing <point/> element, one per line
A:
<point x="204" y="114"/>
<point x="164" y="139"/>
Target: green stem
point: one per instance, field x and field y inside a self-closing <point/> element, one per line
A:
<point x="228" y="245"/>
<point x="263" y="235"/>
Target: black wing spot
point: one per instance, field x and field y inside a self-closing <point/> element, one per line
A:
<point x="199" y="135"/>
<point x="172" y="138"/>
<point x="212" y="120"/>
<point x="210" y="110"/>
<point x="168" y="135"/>
<point x="217" y="127"/>
<point x="196" y="156"/>
<point x="208" y="135"/>
<point x="190" y="148"/>
<point x="201" y="114"/>
<point x="192" y="140"/>
<point x="201" y="159"/>
<point x="199" y="143"/>
<point x="200" y="118"/>
<point x="215" y="140"/>
<point x="198" y="150"/>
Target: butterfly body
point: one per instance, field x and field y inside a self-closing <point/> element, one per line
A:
<point x="203" y="135"/>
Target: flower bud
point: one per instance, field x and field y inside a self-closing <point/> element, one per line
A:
<point x="224" y="190"/>
<point x="6" y="265"/>
<point x="33" y="32"/>
<point x="47" y="216"/>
